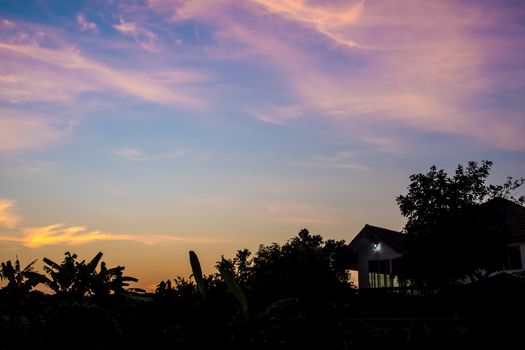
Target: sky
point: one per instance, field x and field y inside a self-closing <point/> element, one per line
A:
<point x="144" y="129"/>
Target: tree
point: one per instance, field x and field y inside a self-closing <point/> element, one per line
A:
<point x="77" y="279"/>
<point x="451" y="231"/>
<point x="18" y="288"/>
<point x="305" y="267"/>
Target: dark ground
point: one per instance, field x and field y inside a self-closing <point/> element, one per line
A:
<point x="485" y="314"/>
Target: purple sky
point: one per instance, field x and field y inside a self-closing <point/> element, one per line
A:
<point x="145" y="129"/>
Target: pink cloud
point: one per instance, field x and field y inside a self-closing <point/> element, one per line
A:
<point x="8" y="216"/>
<point x="305" y="214"/>
<point x="140" y="155"/>
<point x="42" y="63"/>
<point x="125" y="27"/>
<point x="7" y="23"/>
<point x="330" y="22"/>
<point x="83" y="74"/>
<point x="340" y="160"/>
<point x="146" y="38"/>
<point x="410" y="63"/>
<point x="21" y="131"/>
<point x="84" y="24"/>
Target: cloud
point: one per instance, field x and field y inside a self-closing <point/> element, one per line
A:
<point x="304" y="214"/>
<point x="331" y="22"/>
<point x="20" y="131"/>
<point x="420" y="66"/>
<point x="67" y="69"/>
<point x="8" y="217"/>
<point x="280" y="115"/>
<point x="125" y="27"/>
<point x="136" y="154"/>
<point x="62" y="234"/>
<point x="7" y="23"/>
<point x="85" y="25"/>
<point x="341" y="160"/>
<point x="129" y="153"/>
<point x="146" y="38"/>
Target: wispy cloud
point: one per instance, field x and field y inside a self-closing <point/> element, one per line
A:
<point x="28" y="131"/>
<point x="422" y="67"/>
<point x="85" y="25"/>
<point x="280" y="115"/>
<point x="63" y="234"/>
<point x="74" y="72"/>
<point x="8" y="216"/>
<point x="125" y="27"/>
<point x="146" y="38"/>
<point x="304" y="214"/>
<point x="331" y="22"/>
<point x="341" y="160"/>
<point x="25" y="167"/>
<point x="129" y="153"/>
<point x="136" y="154"/>
<point x="7" y="23"/>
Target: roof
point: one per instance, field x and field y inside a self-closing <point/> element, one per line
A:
<point x="392" y="238"/>
<point x="513" y="216"/>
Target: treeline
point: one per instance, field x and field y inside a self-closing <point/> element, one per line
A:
<point x="294" y="295"/>
<point x="247" y="299"/>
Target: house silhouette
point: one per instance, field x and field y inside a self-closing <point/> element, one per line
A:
<point x="377" y="250"/>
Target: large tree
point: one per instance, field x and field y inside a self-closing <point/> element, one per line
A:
<point x="305" y="267"/>
<point x="452" y="231"/>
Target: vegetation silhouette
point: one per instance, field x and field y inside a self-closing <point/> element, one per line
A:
<point x="17" y="291"/>
<point x="292" y="295"/>
<point x="454" y="230"/>
<point x="74" y="279"/>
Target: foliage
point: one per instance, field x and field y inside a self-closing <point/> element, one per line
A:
<point x="77" y="279"/>
<point x="237" y="291"/>
<point x="20" y="281"/>
<point x="305" y="267"/>
<point x="197" y="273"/>
<point x="451" y="232"/>
<point x="17" y="291"/>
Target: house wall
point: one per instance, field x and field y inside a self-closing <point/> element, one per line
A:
<point x="368" y="252"/>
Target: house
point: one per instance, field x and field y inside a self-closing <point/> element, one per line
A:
<point x="377" y="252"/>
<point x="378" y="249"/>
<point x="513" y="215"/>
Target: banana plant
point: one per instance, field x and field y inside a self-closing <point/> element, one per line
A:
<point x="197" y="273"/>
<point x="62" y="277"/>
<point x="78" y="279"/>
<point x="236" y="290"/>
<point x="109" y="280"/>
<point x="19" y="280"/>
<point x="18" y="288"/>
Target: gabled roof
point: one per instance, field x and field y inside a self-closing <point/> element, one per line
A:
<point x="392" y="238"/>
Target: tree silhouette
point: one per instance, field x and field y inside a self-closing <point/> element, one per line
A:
<point x="305" y="267"/>
<point x="76" y="279"/>
<point x="17" y="291"/>
<point x="451" y="231"/>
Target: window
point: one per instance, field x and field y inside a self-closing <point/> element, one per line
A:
<point x="380" y="274"/>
